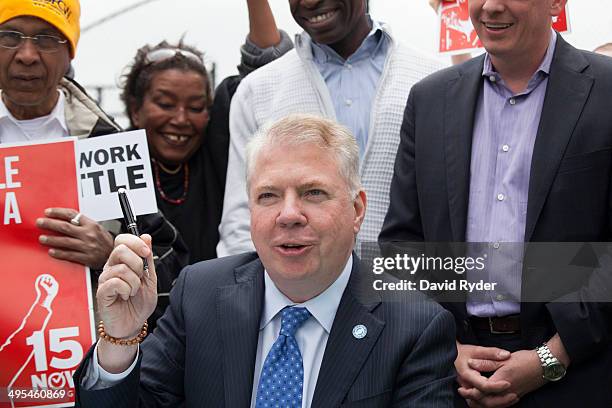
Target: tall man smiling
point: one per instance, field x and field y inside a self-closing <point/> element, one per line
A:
<point x="289" y="325"/>
<point x="345" y="66"/>
<point x="514" y="146"/>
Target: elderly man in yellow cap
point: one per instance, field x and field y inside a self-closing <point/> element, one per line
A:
<point x="38" y="39"/>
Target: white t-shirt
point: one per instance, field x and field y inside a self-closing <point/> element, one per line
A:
<point x="51" y="126"/>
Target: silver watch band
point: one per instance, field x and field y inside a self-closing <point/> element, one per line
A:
<point x="546" y="356"/>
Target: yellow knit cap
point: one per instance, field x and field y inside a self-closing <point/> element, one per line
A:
<point x="62" y="14"/>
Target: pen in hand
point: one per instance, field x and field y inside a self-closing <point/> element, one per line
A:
<point x="130" y="221"/>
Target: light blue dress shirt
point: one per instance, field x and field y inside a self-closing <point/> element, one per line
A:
<point x="311" y="337"/>
<point x="353" y="82"/>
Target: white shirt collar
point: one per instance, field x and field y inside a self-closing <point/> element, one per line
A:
<point x="56" y="114"/>
<point x="322" y="307"/>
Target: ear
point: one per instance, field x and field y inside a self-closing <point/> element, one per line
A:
<point x="557" y="7"/>
<point x="359" y="204"/>
<point x="135" y="117"/>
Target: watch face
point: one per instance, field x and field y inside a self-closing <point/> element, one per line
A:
<point x="554" y="372"/>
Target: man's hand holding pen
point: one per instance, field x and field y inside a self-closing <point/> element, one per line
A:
<point x="127" y="293"/>
<point x="126" y="297"/>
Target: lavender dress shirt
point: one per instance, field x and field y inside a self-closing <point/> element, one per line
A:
<point x="505" y="130"/>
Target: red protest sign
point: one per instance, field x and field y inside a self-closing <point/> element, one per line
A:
<point x="456" y="31"/>
<point x="561" y="22"/>
<point x="45" y="304"/>
<point x="457" y="35"/>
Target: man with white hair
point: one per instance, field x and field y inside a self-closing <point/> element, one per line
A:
<point x="289" y="325"/>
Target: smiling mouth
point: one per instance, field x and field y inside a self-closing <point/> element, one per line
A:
<point x="175" y="139"/>
<point x="322" y="17"/>
<point x="497" y="26"/>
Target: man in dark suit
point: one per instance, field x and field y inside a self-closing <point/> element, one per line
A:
<point x="292" y="325"/>
<point x="516" y="146"/>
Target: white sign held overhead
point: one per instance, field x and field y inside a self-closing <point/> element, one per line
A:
<point x="107" y="163"/>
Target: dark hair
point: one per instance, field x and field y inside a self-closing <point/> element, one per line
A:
<point x="136" y="82"/>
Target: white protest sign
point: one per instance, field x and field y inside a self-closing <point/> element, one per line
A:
<point x="107" y="163"/>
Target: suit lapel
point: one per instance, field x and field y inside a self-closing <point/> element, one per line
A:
<point x="459" y="110"/>
<point x="567" y="92"/>
<point x="344" y="354"/>
<point x="239" y="311"/>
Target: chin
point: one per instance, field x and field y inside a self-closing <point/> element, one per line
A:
<point x="23" y="98"/>
<point x="328" y="38"/>
<point x="173" y="159"/>
<point x="293" y="271"/>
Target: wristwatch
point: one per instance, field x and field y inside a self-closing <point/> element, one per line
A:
<point x="553" y="369"/>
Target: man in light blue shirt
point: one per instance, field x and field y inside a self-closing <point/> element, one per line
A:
<point x="346" y="67"/>
<point x="291" y="325"/>
<point x="353" y="80"/>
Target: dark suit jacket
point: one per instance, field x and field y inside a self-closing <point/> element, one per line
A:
<point x="203" y="351"/>
<point x="569" y="200"/>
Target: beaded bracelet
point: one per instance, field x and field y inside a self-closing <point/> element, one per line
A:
<point x="122" y="342"/>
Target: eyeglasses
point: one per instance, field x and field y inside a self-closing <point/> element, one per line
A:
<point x="163" y="54"/>
<point x="42" y="42"/>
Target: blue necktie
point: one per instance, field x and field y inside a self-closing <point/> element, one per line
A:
<point x="282" y="375"/>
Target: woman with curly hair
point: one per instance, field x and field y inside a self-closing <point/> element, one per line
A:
<point x="167" y="92"/>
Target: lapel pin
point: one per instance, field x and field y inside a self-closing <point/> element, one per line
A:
<point x="360" y="331"/>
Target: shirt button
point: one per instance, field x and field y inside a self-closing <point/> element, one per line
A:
<point x="492" y="78"/>
<point x="512" y="101"/>
<point x="496" y="245"/>
<point x="349" y="66"/>
<point x="500" y="297"/>
<point x="500" y="197"/>
<point x="506" y="148"/>
<point x="348" y="102"/>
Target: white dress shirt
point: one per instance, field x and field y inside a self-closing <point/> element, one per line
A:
<point x="311" y="337"/>
<point x="51" y="126"/>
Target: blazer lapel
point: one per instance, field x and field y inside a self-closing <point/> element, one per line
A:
<point x="239" y="310"/>
<point x="567" y="92"/>
<point x="459" y="110"/>
<point x="345" y="354"/>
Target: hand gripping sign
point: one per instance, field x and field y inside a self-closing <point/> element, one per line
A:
<point x="46" y="306"/>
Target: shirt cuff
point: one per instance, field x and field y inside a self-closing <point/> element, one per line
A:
<point x="97" y="378"/>
<point x="253" y="57"/>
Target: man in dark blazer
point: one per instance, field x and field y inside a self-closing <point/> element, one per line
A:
<point x="226" y="328"/>
<point x="461" y="159"/>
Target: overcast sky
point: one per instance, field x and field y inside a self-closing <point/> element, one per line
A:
<point x="218" y="27"/>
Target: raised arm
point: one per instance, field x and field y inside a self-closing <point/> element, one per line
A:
<point x="265" y="42"/>
<point x="262" y="27"/>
